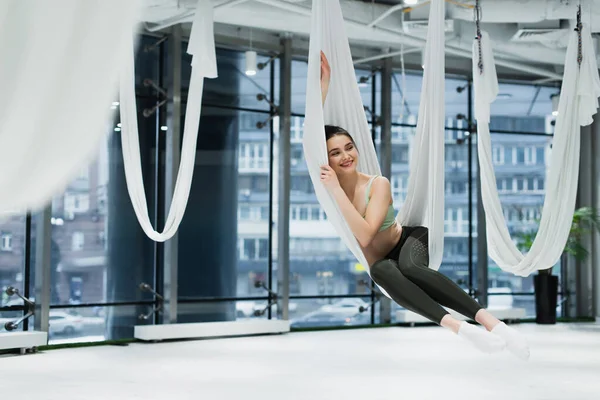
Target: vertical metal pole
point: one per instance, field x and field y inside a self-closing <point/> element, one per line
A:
<point x="172" y="156"/>
<point x="373" y="135"/>
<point x="283" y="218"/>
<point x="159" y="183"/>
<point x="470" y="182"/>
<point x="595" y="184"/>
<point x="27" y="269"/>
<point x="373" y="107"/>
<point x="42" y="269"/>
<point x="482" y="253"/>
<point x="386" y="119"/>
<point x="585" y="276"/>
<point x="385" y="305"/>
<point x="271" y="179"/>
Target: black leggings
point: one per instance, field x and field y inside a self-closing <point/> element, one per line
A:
<point x="405" y="274"/>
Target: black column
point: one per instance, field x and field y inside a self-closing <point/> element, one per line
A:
<point x="208" y="231"/>
<point x="129" y="251"/>
<point x="207" y="236"/>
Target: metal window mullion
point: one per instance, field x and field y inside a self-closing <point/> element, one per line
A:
<point x="43" y="258"/>
<point x="284" y="175"/>
<point x="172" y="158"/>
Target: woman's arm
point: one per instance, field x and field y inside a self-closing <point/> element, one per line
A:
<point x="364" y="229"/>
<point x="325" y="77"/>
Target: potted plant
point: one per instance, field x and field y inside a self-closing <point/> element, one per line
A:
<point x="585" y="220"/>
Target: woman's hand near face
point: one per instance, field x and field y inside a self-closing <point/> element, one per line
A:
<point x="329" y="177"/>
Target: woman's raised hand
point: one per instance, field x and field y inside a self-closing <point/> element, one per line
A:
<point x="325" y="76"/>
<point x="329" y="177"/>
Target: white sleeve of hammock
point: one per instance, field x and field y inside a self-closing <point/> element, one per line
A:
<point x="578" y="103"/>
<point x="202" y="48"/>
<point x="59" y="73"/>
<point x="344" y="107"/>
<point x="424" y="203"/>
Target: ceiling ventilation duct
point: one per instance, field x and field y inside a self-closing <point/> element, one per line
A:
<point x="419" y="27"/>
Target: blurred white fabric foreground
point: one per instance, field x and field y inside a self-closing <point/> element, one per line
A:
<point x="59" y="74"/>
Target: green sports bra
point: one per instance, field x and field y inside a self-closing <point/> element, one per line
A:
<point x="390" y="218"/>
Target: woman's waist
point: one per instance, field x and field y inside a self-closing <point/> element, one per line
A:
<point x="384" y="242"/>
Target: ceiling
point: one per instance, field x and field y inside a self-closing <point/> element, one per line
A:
<point x="529" y="36"/>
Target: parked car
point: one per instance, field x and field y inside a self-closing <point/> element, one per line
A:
<point x="65" y="324"/>
<point x="60" y="323"/>
<point x="247" y="309"/>
<point x="348" y="307"/>
<point x="321" y="318"/>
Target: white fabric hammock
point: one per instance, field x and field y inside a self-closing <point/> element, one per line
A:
<point x="59" y="72"/>
<point x="424" y="203"/>
<point x="578" y="103"/>
<point x="202" y="48"/>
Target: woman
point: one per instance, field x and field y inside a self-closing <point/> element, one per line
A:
<point x="398" y="256"/>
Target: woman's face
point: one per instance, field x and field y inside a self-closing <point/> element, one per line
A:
<point x="342" y="154"/>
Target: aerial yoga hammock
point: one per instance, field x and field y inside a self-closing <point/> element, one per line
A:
<point x="59" y="71"/>
<point x="408" y="274"/>
<point x="578" y="103"/>
<point x="202" y="48"/>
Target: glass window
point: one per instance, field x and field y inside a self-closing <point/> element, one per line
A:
<point x="399" y="185"/>
<point x="331" y="312"/>
<point x="520" y="155"/>
<point x="365" y="80"/>
<point x="92" y="324"/>
<point x="249" y="251"/>
<point x="399" y="154"/>
<point x="221" y="254"/>
<point x="406" y="97"/>
<point x="455" y="263"/>
<point x="88" y="222"/>
<point x="318" y="259"/>
<point x="301" y="183"/>
<point x="540" y="159"/>
<point x="78" y="240"/>
<point x="498" y="155"/>
<point x="12" y="254"/>
<point x="522" y="108"/>
<point x="233" y="88"/>
<point x="6" y="241"/>
<point x="522" y="213"/>
<point x="264" y="213"/>
<point x="315" y="213"/>
<point x="263" y="248"/>
<point x="99" y="252"/>
<point x="304" y="213"/>
<point x="241" y="310"/>
<point x="147" y="67"/>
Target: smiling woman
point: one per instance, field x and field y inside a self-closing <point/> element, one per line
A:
<point x="398" y="256"/>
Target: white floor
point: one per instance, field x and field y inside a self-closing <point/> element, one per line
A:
<point x="387" y="363"/>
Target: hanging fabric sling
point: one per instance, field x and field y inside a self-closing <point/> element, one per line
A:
<point x="424" y="204"/>
<point x="202" y="48"/>
<point x="578" y="103"/>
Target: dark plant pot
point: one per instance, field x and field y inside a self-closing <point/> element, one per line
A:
<point x="546" y="297"/>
